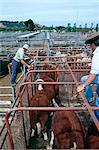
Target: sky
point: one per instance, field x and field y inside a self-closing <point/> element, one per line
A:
<point x="51" y="12"/>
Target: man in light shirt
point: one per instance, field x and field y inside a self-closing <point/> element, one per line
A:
<point x="18" y="58"/>
<point x="93" y="77"/>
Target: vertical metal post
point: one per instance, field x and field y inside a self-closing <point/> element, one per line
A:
<point x="14" y="92"/>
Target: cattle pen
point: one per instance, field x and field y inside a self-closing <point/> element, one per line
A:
<point x="27" y="86"/>
<point x="64" y="65"/>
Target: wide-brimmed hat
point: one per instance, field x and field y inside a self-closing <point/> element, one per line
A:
<point x="26" y="46"/>
<point x="94" y="37"/>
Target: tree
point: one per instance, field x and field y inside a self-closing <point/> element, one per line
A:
<point x="61" y="28"/>
<point x="30" y="24"/>
<point x="85" y="25"/>
<point x="80" y="28"/>
<point x="85" y="28"/>
<point x="69" y="27"/>
<point x="91" y="26"/>
<point x="96" y="27"/>
<point x="74" y="27"/>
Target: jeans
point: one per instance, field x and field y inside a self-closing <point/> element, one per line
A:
<point x="15" y="68"/>
<point x="97" y="90"/>
<point x="88" y="90"/>
<point x="89" y="94"/>
<point x="96" y="112"/>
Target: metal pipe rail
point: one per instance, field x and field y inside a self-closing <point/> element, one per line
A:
<point x="69" y="61"/>
<point x="60" y="62"/>
<point x="38" y="109"/>
<point x="60" y="70"/>
<point x="54" y="83"/>
<point x="29" y="73"/>
<point x="57" y="56"/>
<point x="63" y="55"/>
<point x="57" y="70"/>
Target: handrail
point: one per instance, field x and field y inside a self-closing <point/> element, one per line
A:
<point x="57" y="70"/>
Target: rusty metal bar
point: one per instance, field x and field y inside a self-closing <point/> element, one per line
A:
<point x="58" y="83"/>
<point x="69" y="61"/>
<point x="57" y="56"/>
<point x="50" y="109"/>
<point x="9" y="130"/>
<point x="51" y="56"/>
<point x="57" y="70"/>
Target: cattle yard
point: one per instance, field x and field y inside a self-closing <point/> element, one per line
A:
<point x="47" y="112"/>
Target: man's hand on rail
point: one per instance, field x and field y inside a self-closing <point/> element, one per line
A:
<point x="80" y="88"/>
<point x="30" y="67"/>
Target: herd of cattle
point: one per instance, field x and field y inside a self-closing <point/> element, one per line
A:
<point x="66" y="129"/>
<point x="59" y="129"/>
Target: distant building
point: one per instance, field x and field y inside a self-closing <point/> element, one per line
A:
<point x="2" y="26"/>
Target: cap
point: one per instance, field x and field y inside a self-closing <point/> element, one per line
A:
<point x="26" y="46"/>
<point x="94" y="37"/>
